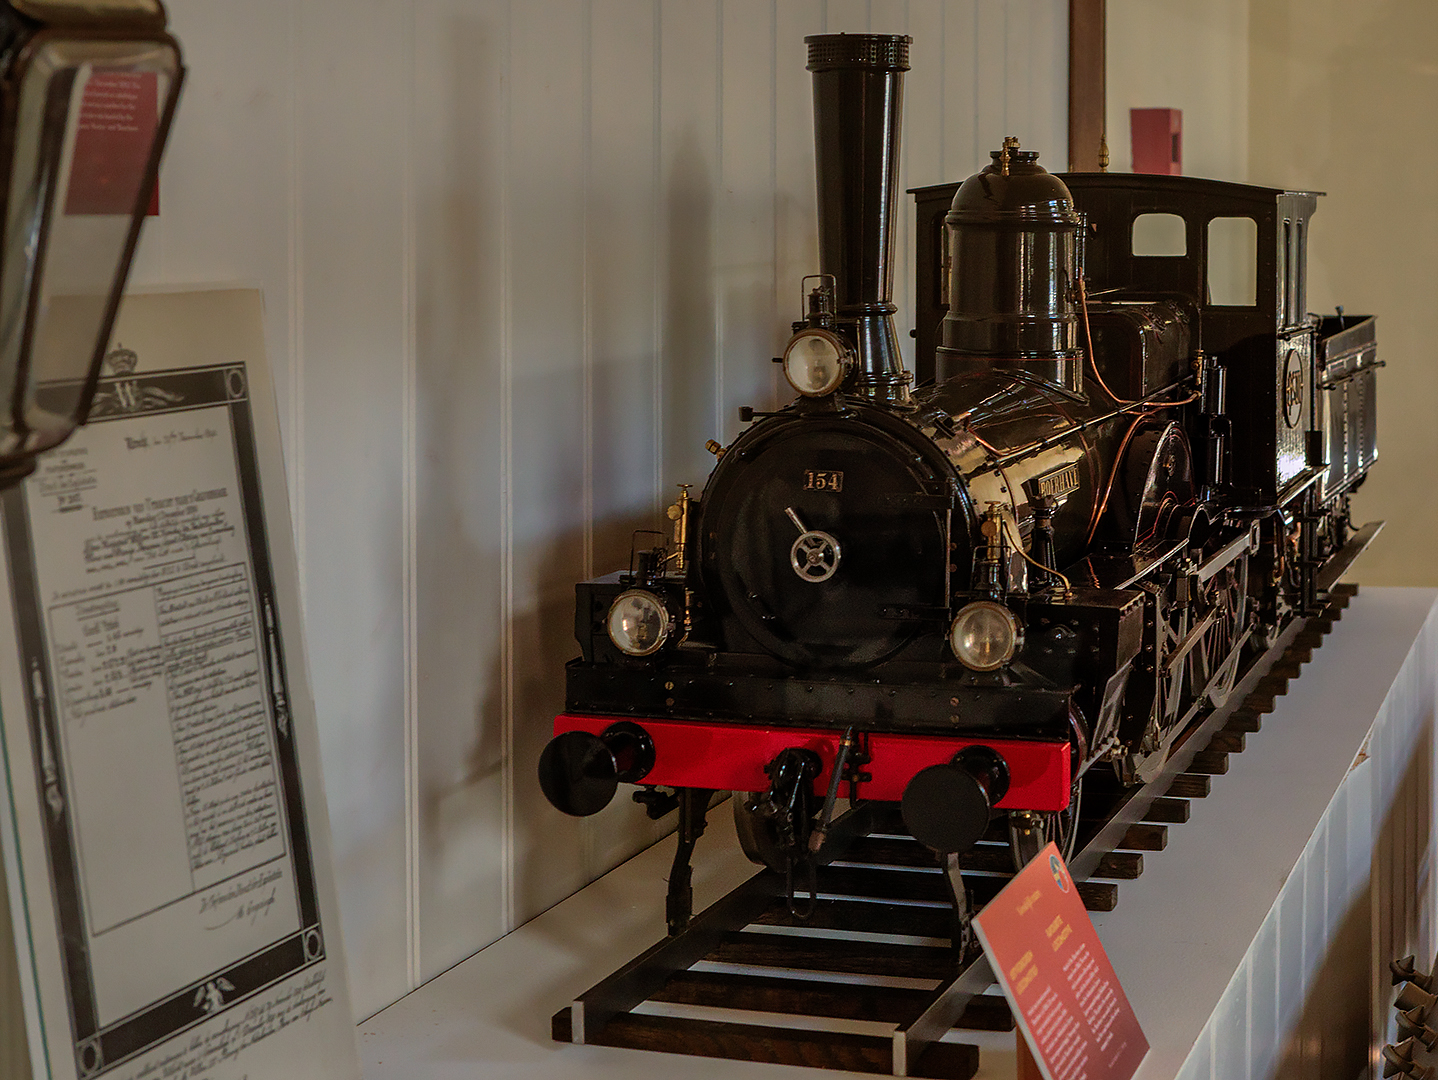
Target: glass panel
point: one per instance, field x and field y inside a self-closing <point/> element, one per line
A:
<point x="1233" y="262"/>
<point x="1159" y="234"/>
<point x="87" y="119"/>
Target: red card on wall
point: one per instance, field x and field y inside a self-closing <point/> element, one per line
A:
<point x="1058" y="980"/>
<point x="1157" y="140"/>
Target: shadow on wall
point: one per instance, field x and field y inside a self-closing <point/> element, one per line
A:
<point x="551" y="850"/>
<point x="494" y="636"/>
<point x="544" y="636"/>
<point x="689" y="365"/>
<point x="459" y="493"/>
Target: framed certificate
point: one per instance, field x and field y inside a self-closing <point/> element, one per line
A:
<point x="166" y="843"/>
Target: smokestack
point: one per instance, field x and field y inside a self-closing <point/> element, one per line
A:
<point x="858" y="100"/>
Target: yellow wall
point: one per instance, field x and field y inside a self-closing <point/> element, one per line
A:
<point x="1343" y="98"/>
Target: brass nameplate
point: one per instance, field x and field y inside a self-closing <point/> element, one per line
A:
<point x="1057" y="484"/>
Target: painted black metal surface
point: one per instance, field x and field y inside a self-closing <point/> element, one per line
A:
<point x="858" y="103"/>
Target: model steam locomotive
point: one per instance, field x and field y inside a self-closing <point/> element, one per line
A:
<point x="1131" y="468"/>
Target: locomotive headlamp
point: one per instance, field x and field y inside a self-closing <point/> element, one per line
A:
<point x="639" y="623"/>
<point x="984" y="635"/>
<point x="816" y="362"/>
<point x="87" y="92"/>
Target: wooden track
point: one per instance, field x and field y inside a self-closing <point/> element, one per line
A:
<point x="867" y="983"/>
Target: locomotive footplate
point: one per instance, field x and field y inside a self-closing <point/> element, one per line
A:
<point x="904" y="698"/>
<point x="719" y="728"/>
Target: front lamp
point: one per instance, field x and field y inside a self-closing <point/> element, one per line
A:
<point x="816" y="362"/>
<point x="86" y="100"/>
<point x="984" y="635"/>
<point x="639" y="623"/>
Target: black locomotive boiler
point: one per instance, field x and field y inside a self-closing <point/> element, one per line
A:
<point x="1126" y="467"/>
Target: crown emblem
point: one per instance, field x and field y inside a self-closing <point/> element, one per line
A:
<point x="121" y="361"/>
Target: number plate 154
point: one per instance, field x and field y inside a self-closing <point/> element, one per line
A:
<point x="815" y="480"/>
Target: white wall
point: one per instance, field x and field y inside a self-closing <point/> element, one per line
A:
<point x="1345" y="100"/>
<point x="520" y="260"/>
<point x="1177" y="54"/>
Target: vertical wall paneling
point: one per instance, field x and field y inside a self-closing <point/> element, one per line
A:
<point x="351" y="104"/>
<point x="1335" y="887"/>
<point x="621" y="272"/>
<point x="922" y="149"/>
<point x="889" y="16"/>
<point x="992" y="121"/>
<point x="1230" y="1029"/>
<point x="520" y="260"/>
<point x="1313" y="997"/>
<point x="414" y="895"/>
<point x="1315" y="895"/>
<point x="849" y="17"/>
<point x="1403" y="893"/>
<point x="749" y="328"/>
<point x="796" y="233"/>
<point x="1290" y="962"/>
<point x="959" y="153"/>
<point x="1263" y="999"/>
<point x="460" y="177"/>
<point x="1358" y="865"/>
<point x="689" y="136"/>
<point x="1048" y="82"/>
<point x="1417" y="835"/>
<point x="546" y="268"/>
<point x="228" y="185"/>
<point x="1199" y="1065"/>
<point x="1016" y="79"/>
<point x="1380" y="896"/>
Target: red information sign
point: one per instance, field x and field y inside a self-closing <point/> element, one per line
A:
<point x="1059" y="982"/>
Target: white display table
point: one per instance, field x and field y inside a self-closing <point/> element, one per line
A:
<point x="1246" y="942"/>
<point x="1250" y="946"/>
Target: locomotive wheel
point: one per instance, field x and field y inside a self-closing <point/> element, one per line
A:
<point x="1176" y="687"/>
<point x="1157" y="485"/>
<point x="1215" y="658"/>
<point x="1151" y="699"/>
<point x="1208" y="671"/>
